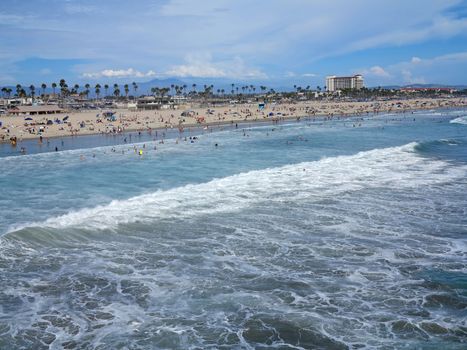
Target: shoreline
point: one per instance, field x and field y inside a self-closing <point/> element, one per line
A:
<point x="110" y="140"/>
<point x="216" y="123"/>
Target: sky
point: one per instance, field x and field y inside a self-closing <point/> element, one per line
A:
<point x="272" y="42"/>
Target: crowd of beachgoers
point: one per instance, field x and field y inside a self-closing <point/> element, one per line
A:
<point x="17" y="128"/>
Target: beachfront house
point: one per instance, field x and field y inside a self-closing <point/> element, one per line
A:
<point x="35" y="110"/>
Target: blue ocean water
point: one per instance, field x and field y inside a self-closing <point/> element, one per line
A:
<point x="339" y="234"/>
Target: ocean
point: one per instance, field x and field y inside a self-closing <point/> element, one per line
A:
<point x="319" y="234"/>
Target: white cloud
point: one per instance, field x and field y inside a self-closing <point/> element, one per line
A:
<point x="453" y="57"/>
<point x="74" y="9"/>
<point x="379" y="72"/>
<point x="410" y="79"/>
<point x="11" y="19"/>
<point x="202" y="66"/>
<point x="416" y="60"/>
<point x="45" y="71"/>
<point x="272" y="39"/>
<point x="119" y="73"/>
<point x="375" y="72"/>
<point x="309" y="75"/>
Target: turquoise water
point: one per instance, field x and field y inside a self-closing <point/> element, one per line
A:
<point x="315" y="234"/>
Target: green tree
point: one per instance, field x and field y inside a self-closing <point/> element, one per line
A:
<point x="127" y="90"/>
<point x="97" y="89"/>
<point x="63" y="87"/>
<point x="87" y="86"/>
<point x="116" y="90"/>
<point x="32" y="90"/>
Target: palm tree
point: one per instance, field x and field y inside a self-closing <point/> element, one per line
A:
<point x="127" y="90"/>
<point x="63" y="87"/>
<point x="32" y="89"/>
<point x="164" y="91"/>
<point x="54" y="86"/>
<point x="97" y="90"/>
<point x="106" y="87"/>
<point x="8" y="91"/>
<point x="76" y="88"/>
<point x="4" y="91"/>
<point x="18" y="89"/>
<point x="135" y="87"/>
<point x="194" y="87"/>
<point x="116" y="90"/>
<point x="87" y="86"/>
<point x="43" y="86"/>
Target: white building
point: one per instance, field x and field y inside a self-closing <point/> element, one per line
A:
<point x="334" y="83"/>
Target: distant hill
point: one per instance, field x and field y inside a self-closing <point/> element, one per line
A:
<point x="388" y="87"/>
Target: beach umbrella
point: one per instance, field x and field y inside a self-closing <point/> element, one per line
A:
<point x="66" y="118"/>
<point x="27" y="118"/>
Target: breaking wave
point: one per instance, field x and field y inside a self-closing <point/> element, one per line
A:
<point x="389" y="167"/>
<point x="460" y="120"/>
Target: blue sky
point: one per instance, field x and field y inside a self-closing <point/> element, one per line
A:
<point x="272" y="42"/>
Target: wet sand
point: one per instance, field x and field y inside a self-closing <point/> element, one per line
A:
<point x="93" y="122"/>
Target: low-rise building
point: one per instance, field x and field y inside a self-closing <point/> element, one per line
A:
<point x="35" y="110"/>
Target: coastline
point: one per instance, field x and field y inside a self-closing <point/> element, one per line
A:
<point x="165" y="120"/>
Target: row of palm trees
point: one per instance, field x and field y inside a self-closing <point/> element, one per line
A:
<point x="65" y="90"/>
<point x="85" y="90"/>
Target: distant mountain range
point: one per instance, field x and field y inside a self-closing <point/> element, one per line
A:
<point x="458" y="87"/>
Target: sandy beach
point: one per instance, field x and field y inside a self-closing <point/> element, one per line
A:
<point x="93" y="122"/>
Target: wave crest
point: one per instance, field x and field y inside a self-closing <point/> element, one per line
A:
<point x="328" y="177"/>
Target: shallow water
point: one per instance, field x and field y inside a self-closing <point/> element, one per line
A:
<point x="338" y="234"/>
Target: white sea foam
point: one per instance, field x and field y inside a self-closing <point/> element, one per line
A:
<point x="396" y="167"/>
<point x="460" y="120"/>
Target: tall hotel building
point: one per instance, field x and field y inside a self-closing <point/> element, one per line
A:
<point x="334" y="83"/>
